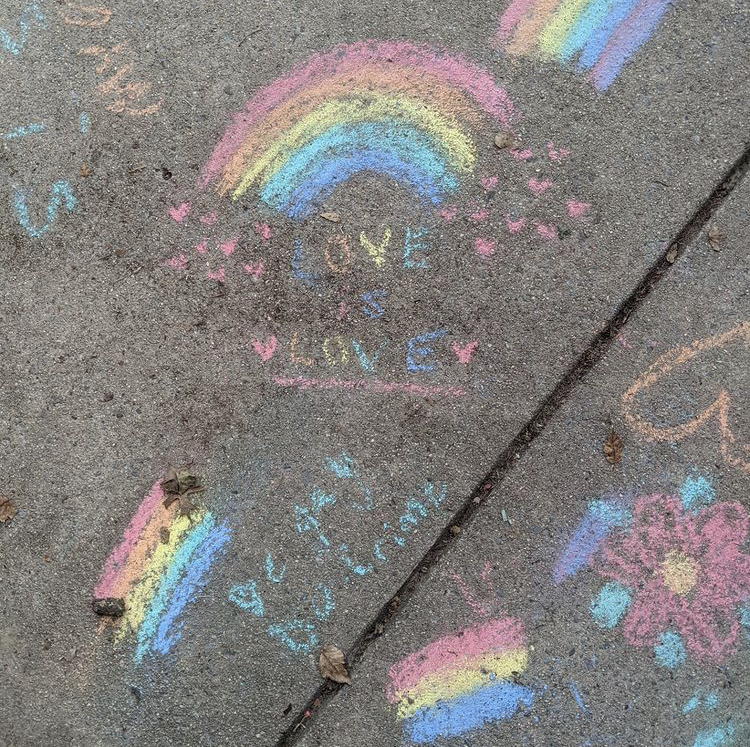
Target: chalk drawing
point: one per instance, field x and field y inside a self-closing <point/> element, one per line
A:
<point x="120" y="89"/>
<point x="461" y="682"/>
<point x="31" y="15"/>
<point x="23" y="131"/>
<point x="402" y="110"/>
<point x="352" y="491"/>
<point x="61" y="195"/>
<point x="677" y="576"/>
<point x="161" y="563"/>
<point x="598" y="37"/>
<point x="715" y="418"/>
<point x="88" y="16"/>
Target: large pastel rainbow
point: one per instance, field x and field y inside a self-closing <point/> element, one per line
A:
<point x="461" y="681"/>
<point x="602" y="34"/>
<point x="159" y="572"/>
<point x="398" y="109"/>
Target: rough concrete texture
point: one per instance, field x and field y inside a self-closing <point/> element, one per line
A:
<point x="540" y="552"/>
<point x="148" y="322"/>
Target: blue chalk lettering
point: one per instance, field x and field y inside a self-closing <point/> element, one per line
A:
<point x="298" y="273"/>
<point x="367" y="362"/>
<point x="360" y="570"/>
<point x="344" y="468"/>
<point x="283" y="632"/>
<point x="247" y="597"/>
<point x="32" y="13"/>
<point x="429" y="492"/>
<point x="324" y="610"/>
<point x="271" y="573"/>
<point x="61" y="193"/>
<point x="372" y="308"/>
<point x="84" y="123"/>
<point x="319" y="499"/>
<point x="413" y="244"/>
<point x="414" y="351"/>
<point x="23" y="131"/>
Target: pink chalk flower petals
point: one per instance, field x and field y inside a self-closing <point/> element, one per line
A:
<point x="685" y="569"/>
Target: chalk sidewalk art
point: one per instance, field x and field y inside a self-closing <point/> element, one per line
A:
<point x="338" y="562"/>
<point x="716" y="417"/>
<point x="162" y="562"/>
<point x="407" y="113"/>
<point x="461" y="682"/>
<point x="119" y="88"/>
<point x="597" y="37"/>
<point x="676" y="575"/>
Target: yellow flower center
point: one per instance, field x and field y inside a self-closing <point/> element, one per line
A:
<point x="680" y="572"/>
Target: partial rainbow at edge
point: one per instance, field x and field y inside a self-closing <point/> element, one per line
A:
<point x="158" y="567"/>
<point x="398" y="109"/>
<point x="602" y="34"/>
<point x="461" y="682"/>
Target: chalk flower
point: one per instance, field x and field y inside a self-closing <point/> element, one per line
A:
<point x="685" y="571"/>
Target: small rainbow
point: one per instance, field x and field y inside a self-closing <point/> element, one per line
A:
<point x="602" y="34"/>
<point x="461" y="681"/>
<point x="160" y="564"/>
<point x="402" y="110"/>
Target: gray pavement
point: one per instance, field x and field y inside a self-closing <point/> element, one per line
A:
<point x="339" y="397"/>
<point x="592" y="674"/>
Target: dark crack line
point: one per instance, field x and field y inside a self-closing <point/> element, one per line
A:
<point x="585" y="362"/>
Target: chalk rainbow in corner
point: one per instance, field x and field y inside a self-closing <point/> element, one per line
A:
<point x="461" y="682"/>
<point x="602" y="34"/>
<point x="162" y="561"/>
<point x="402" y="110"/>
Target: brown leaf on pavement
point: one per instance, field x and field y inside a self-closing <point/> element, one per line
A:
<point x="331" y="216"/>
<point x="332" y="666"/>
<point x="179" y="485"/>
<point x="109" y="606"/>
<point x="8" y="509"/>
<point x="613" y="448"/>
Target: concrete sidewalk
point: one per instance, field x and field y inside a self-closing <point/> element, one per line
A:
<point x="556" y="571"/>
<point x="341" y="387"/>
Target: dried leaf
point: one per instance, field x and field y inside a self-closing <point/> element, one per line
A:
<point x="332" y="217"/>
<point x="503" y="140"/>
<point x="164" y="535"/>
<point x="332" y="666"/>
<point x="85" y="170"/>
<point x="672" y="255"/>
<point x="8" y="509"/>
<point x="715" y="237"/>
<point x="109" y="606"/>
<point x="613" y="448"/>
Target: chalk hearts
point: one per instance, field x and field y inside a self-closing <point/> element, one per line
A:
<point x="717" y="414"/>
<point x="539" y="187"/>
<point x="180" y="212"/>
<point x="265" y="350"/>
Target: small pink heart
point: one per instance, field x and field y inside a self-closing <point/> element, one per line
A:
<point x="547" y="231"/>
<point x="514" y="226"/>
<point x="576" y="209"/>
<point x="480" y="216"/>
<point x="521" y="155"/>
<point x="263" y="230"/>
<point x="229" y="246"/>
<point x="539" y="187"/>
<point x="208" y="219"/>
<point x="489" y="182"/>
<point x="484" y="247"/>
<point x="254" y="268"/>
<point x="178" y="262"/>
<point x="219" y="275"/>
<point x="464" y="353"/>
<point x="180" y="212"/>
<point x="265" y="349"/>
<point x="448" y="213"/>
